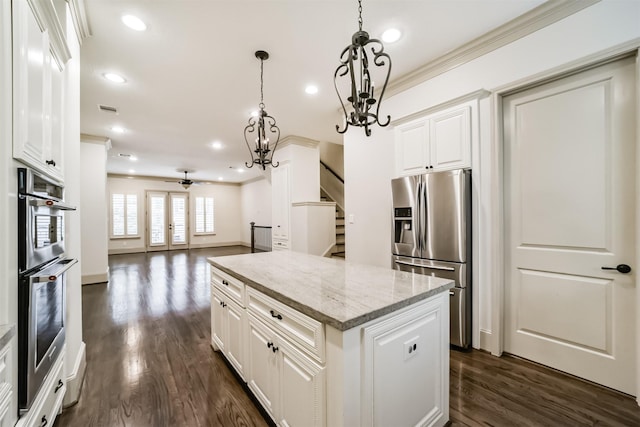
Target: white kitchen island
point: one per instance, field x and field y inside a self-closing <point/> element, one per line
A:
<point x="324" y="342"/>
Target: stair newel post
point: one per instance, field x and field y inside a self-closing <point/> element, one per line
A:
<point x="253" y="239"/>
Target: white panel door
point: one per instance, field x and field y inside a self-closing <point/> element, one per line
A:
<point x="569" y="211"/>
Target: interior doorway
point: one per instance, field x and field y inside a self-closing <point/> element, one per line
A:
<point x="569" y="210"/>
<point x="167" y="220"/>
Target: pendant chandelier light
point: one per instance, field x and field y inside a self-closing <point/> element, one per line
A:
<point x="354" y="61"/>
<point x="263" y="126"/>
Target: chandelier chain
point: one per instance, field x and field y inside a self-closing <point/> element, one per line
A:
<point x="261" y="82"/>
<point x="360" y="14"/>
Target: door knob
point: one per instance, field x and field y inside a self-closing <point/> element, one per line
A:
<point x="621" y="268"/>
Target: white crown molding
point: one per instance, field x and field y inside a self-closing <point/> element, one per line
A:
<point x="328" y="204"/>
<point x="530" y="22"/>
<point x="478" y="94"/>
<point x="203" y="183"/>
<point x="94" y="139"/>
<point x="298" y="140"/>
<point x="47" y="18"/>
<point x="80" y="20"/>
<point x="254" y="179"/>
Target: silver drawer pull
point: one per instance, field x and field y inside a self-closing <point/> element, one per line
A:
<point x="433" y="267"/>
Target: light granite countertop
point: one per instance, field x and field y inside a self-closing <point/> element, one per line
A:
<point x="332" y="291"/>
<point x="6" y="333"/>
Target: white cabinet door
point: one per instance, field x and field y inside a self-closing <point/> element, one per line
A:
<point x="31" y="74"/>
<point x="450" y="140"/>
<point x="412" y="148"/>
<point x="227" y="328"/>
<point x="6" y="392"/>
<point x="217" y="320"/>
<point x="234" y="316"/>
<point x="38" y="86"/>
<point x="406" y="367"/>
<point x="439" y="141"/>
<point x="262" y="365"/>
<point x="303" y="389"/>
<point x="281" y="202"/>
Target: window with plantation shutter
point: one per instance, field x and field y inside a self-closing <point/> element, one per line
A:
<point x="124" y="215"/>
<point x="204" y="215"/>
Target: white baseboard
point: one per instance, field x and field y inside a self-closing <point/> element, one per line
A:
<point x="215" y="245"/>
<point x="126" y="251"/>
<point x="90" y="279"/>
<point x="76" y="378"/>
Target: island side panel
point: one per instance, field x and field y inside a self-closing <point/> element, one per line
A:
<point x="351" y="376"/>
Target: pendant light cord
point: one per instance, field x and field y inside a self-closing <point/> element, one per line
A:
<point x="360" y="14"/>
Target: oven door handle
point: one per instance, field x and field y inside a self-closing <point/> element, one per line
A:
<point x="50" y="203"/>
<point x="55" y="275"/>
<point x="433" y="267"/>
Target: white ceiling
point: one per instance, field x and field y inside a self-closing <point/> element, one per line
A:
<point x="192" y="77"/>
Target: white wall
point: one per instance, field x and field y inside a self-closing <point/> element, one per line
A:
<point x="94" y="210"/>
<point x="8" y="201"/>
<point x="227" y="219"/>
<point x="333" y="156"/>
<point x="75" y="354"/>
<point x="369" y="160"/>
<point x="255" y="205"/>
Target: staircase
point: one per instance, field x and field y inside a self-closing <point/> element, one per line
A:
<point x="338" y="250"/>
<point x="332" y="190"/>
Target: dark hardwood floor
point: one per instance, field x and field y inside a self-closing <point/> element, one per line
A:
<point x="149" y="363"/>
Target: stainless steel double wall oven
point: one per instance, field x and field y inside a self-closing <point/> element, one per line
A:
<point x="41" y="279"/>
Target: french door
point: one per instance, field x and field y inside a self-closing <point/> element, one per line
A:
<point x="167" y="220"/>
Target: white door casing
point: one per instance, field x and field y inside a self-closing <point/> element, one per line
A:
<point x="569" y="187"/>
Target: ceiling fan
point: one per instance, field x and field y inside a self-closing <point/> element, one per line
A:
<point x="186" y="182"/>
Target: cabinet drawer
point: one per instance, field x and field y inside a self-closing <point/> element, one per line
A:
<point x="302" y="330"/>
<point x="230" y="286"/>
<point x="48" y="401"/>
<point x="277" y="244"/>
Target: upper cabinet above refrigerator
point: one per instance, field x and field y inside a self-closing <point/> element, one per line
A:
<point x="437" y="139"/>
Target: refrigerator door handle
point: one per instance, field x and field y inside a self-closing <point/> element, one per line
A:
<point x="433" y="267"/>
<point x="417" y="216"/>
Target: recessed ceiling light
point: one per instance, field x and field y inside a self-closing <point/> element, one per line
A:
<point x="134" y="22"/>
<point x="240" y="170"/>
<point x="220" y="178"/>
<point x="117" y="129"/>
<point x="113" y="77"/>
<point x="216" y="145"/>
<point x="391" y="35"/>
<point x="133" y="158"/>
<point x="132" y="171"/>
<point x="311" y="89"/>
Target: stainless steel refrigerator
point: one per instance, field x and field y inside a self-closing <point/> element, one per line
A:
<point x="432" y="235"/>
